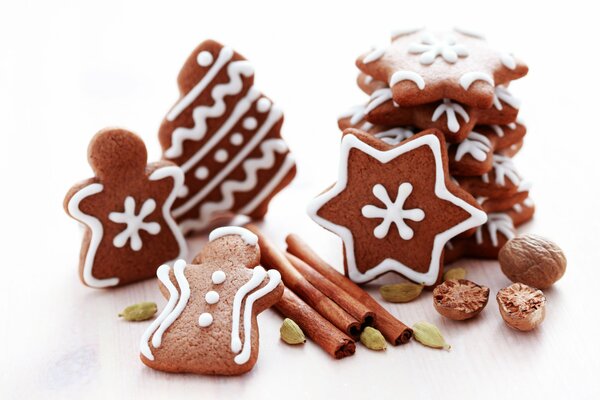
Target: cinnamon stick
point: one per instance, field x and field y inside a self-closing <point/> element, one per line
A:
<point x="392" y="329"/>
<point x="318" y="329"/>
<point x="272" y="257"/>
<point x="342" y="298"/>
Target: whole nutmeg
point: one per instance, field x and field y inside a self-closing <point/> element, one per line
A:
<point x="532" y="260"/>
<point x="460" y="299"/>
<point x="522" y="307"/>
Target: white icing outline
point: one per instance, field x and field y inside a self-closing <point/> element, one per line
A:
<point x="398" y="33"/>
<point x="247" y="236"/>
<point x="274" y="280"/>
<point x="374" y="55"/>
<point x="404" y="75"/>
<point x="469" y="32"/>
<point x="378" y="97"/>
<point x="97" y="232"/>
<point x="349" y="142"/>
<point x="501" y="93"/>
<point x="468" y="78"/>
<point x="258" y="275"/>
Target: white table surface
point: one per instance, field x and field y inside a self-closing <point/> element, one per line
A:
<point x="67" y="70"/>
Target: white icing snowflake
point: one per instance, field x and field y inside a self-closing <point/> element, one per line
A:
<point x="497" y="223"/>
<point x="450" y="109"/>
<point x="431" y="47"/>
<point x="135" y="223"/>
<point x="477" y="145"/>
<point x="393" y="212"/>
<point x="503" y="168"/>
<point x="501" y="93"/>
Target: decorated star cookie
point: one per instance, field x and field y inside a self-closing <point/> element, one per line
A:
<point x="126" y="209"/>
<point x="490" y="237"/>
<point x="503" y="180"/>
<point x="395" y="206"/>
<point x="209" y="324"/>
<point x="224" y="133"/>
<point x="454" y="119"/>
<point x="424" y="67"/>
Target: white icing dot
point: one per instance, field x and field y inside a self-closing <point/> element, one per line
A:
<point x="205" y="319"/>
<point x="212" y="297"/>
<point x="201" y="173"/>
<point x="221" y="155"/>
<point x="204" y="59"/>
<point x="249" y="123"/>
<point x="236" y="139"/>
<point x="183" y="191"/>
<point x="263" y="105"/>
<point x="218" y="277"/>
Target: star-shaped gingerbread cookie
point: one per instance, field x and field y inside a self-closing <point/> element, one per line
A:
<point x="395" y="206"/>
<point x="423" y="67"/>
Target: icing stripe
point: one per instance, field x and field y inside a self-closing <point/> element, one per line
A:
<point x="378" y="97"/>
<point x="274" y="280"/>
<point x="240" y="109"/>
<point x="258" y="274"/>
<point x="235" y="71"/>
<point x="178" y="178"/>
<point x="468" y="78"/>
<point x="163" y="275"/>
<point x="274" y="116"/>
<point x="400" y="76"/>
<point x="251" y="167"/>
<point x="287" y="165"/>
<point x="250" y="238"/>
<point x="224" y="56"/>
<point x="95" y="226"/>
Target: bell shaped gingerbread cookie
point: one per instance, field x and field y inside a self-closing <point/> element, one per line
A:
<point x="224" y="133"/>
<point x="126" y="210"/>
<point x="209" y="324"/>
<point x="395" y="206"/>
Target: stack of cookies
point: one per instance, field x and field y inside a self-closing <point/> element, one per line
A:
<point x="454" y="82"/>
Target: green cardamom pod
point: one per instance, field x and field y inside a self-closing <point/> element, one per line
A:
<point x="139" y="312"/>
<point x="373" y="339"/>
<point x="400" y="292"/>
<point x="455" y="273"/>
<point x="291" y="333"/>
<point x="429" y="335"/>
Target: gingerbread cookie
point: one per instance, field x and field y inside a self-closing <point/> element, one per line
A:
<point x="224" y="133"/>
<point x="424" y="67"/>
<point x="489" y="238"/>
<point x="454" y="119"/>
<point x="126" y="209"/>
<point x="209" y="324"/>
<point x="395" y="206"/>
<point x="503" y="180"/>
<point x="355" y="118"/>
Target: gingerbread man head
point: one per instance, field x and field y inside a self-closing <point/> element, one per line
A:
<point x="126" y="209"/>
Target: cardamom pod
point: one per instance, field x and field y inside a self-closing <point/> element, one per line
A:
<point x="429" y="335"/>
<point x="455" y="273"/>
<point x="291" y="333"/>
<point x="139" y="312"/>
<point x="400" y="292"/>
<point x="373" y="339"/>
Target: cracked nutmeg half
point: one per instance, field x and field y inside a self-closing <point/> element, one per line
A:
<point x="395" y="206"/>
<point x="522" y="307"/>
<point x="460" y="299"/>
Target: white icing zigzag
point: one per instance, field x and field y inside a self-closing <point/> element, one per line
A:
<point x="251" y="167"/>
<point x="235" y="70"/>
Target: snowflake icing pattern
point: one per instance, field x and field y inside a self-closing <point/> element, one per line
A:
<point x="135" y="223"/>
<point x="450" y="109"/>
<point x="393" y="212"/>
<point x="431" y="47"/>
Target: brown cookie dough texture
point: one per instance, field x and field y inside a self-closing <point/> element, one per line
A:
<point x="126" y="211"/>
<point x="395" y="206"/>
<point x="208" y="325"/>
<point x="225" y="135"/>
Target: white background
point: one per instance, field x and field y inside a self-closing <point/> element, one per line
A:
<point x="67" y="70"/>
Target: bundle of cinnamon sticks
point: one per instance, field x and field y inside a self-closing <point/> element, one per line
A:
<point x="330" y="308"/>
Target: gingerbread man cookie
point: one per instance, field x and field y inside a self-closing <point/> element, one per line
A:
<point x="209" y="323"/>
<point x="395" y="206"/>
<point x="424" y="67"/>
<point x="224" y="133"/>
<point x="454" y="119"/>
<point x="126" y="209"/>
